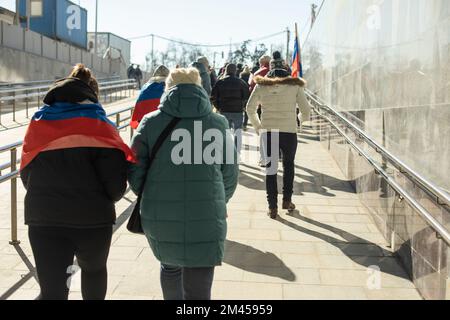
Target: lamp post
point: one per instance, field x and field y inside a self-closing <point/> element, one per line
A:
<point x="17" y="18"/>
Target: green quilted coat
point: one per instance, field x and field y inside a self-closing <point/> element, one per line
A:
<point x="184" y="206"/>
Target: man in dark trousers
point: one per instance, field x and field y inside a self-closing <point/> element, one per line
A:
<point x="230" y="96"/>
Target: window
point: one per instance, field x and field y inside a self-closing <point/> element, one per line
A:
<point x="36" y="9"/>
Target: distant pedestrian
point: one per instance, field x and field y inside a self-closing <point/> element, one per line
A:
<point x="230" y="96"/>
<point x="240" y="68"/>
<point x="202" y="65"/>
<point x="130" y="72"/>
<point x="138" y="76"/>
<point x="278" y="97"/>
<point x="74" y="168"/>
<point x="150" y="95"/>
<point x="213" y="76"/>
<point x="184" y="206"/>
<point x="245" y="76"/>
<point x="255" y="67"/>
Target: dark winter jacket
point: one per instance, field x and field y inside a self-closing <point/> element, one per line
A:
<point x="230" y="95"/>
<point x="74" y="187"/>
<point x="204" y="74"/>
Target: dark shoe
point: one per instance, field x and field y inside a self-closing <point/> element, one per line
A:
<point x="273" y="213"/>
<point x="288" y="205"/>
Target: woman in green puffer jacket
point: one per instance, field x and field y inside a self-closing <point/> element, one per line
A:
<point x="184" y="202"/>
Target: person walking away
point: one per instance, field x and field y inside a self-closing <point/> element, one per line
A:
<point x="149" y="98"/>
<point x="74" y="169"/>
<point x="184" y="202"/>
<point x="256" y="67"/>
<point x="240" y="68"/>
<point x="202" y="65"/>
<point x="130" y="72"/>
<point x="213" y="76"/>
<point x="245" y="76"/>
<point x="138" y="76"/>
<point x="279" y="94"/>
<point x="264" y="62"/>
<point x="230" y="96"/>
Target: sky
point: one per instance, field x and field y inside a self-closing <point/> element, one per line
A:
<point x="195" y="21"/>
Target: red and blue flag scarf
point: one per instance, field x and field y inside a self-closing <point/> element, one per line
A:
<point x="69" y="125"/>
<point x="148" y="101"/>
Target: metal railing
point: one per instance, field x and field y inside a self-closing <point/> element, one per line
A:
<point x="10" y="85"/>
<point x="14" y="174"/>
<point x="13" y="96"/>
<point x="442" y="199"/>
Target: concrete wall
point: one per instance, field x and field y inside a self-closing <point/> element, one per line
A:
<point x="386" y="66"/>
<point x="27" y="56"/>
<point x="19" y="66"/>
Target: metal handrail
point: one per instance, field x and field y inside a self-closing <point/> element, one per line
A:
<point x="14" y="162"/>
<point x="36" y="82"/>
<point x="46" y="87"/>
<point x="404" y="195"/>
<point x="27" y="94"/>
<point x="441" y="197"/>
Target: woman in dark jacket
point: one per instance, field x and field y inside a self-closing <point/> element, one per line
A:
<point x="74" y="167"/>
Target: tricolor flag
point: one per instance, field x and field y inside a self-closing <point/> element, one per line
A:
<point x="297" y="68"/>
<point x="148" y="101"/>
<point x="68" y="125"/>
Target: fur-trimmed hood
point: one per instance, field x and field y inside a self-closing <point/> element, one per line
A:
<point x="283" y="81"/>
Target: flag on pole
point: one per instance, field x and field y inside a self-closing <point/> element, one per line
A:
<point x="297" y="68"/>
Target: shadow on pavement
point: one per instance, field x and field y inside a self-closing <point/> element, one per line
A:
<point x="347" y="247"/>
<point x="256" y="261"/>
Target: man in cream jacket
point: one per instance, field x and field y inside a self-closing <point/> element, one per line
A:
<point x="279" y="94"/>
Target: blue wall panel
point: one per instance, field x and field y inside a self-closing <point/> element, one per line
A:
<point x="62" y="20"/>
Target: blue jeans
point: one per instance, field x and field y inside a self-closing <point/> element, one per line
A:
<point x="236" y="121"/>
<point x="179" y="283"/>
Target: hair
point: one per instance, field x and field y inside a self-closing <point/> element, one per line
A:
<point x="183" y="76"/>
<point x="265" y="60"/>
<point x="246" y="70"/>
<point x="84" y="74"/>
<point x="277" y="55"/>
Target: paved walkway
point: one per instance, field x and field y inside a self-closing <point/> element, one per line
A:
<point x="322" y="251"/>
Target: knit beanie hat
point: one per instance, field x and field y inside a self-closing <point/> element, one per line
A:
<point x="183" y="76"/>
<point x="204" y="61"/>
<point x="277" y="62"/>
<point x="161" y="71"/>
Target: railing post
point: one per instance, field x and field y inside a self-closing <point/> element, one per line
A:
<point x="26" y="103"/>
<point x="118" y="120"/>
<point x="131" y="129"/>
<point x="14" y="106"/>
<point x="14" y="240"/>
<point x="38" y="98"/>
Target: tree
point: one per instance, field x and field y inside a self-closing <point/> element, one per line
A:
<point x="260" y="50"/>
<point x="242" y="55"/>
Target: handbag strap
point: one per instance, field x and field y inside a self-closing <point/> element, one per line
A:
<point x="166" y="132"/>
